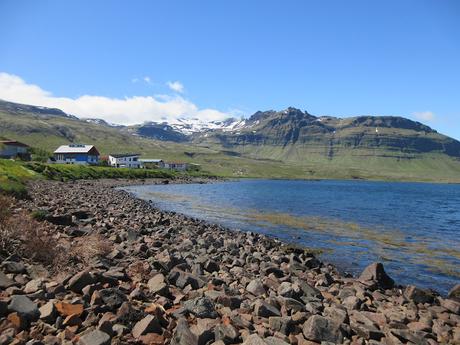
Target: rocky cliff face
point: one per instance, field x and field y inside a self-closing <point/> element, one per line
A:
<point x="326" y="135"/>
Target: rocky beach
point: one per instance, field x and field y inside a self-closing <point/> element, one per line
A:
<point x="116" y="270"/>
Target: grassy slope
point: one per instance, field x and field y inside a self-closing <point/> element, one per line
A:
<point x="255" y="161"/>
<point x="14" y="174"/>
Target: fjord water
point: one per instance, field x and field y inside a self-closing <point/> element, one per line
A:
<point x="413" y="228"/>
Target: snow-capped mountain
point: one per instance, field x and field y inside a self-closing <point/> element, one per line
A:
<point x="101" y="122"/>
<point x="194" y="125"/>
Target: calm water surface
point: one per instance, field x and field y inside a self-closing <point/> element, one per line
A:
<point x="414" y="228"/>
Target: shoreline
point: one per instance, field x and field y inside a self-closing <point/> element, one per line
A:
<point x="257" y="289"/>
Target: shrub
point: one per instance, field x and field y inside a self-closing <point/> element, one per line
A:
<point x="22" y="235"/>
<point x="39" y="214"/>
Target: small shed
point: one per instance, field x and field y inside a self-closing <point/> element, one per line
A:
<point x="178" y="166"/>
<point x="13" y="149"/>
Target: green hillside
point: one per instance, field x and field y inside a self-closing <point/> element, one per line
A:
<point x="277" y="146"/>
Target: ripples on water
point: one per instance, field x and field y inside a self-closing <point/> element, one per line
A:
<point x="412" y="227"/>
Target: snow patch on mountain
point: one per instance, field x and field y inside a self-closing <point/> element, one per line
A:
<point x="191" y="126"/>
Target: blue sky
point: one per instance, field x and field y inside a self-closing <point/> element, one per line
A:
<point x="130" y="61"/>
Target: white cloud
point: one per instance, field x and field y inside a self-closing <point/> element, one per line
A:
<point x="175" y="86"/>
<point x="147" y="80"/>
<point x="425" y="116"/>
<point x="128" y="110"/>
<point x="134" y="80"/>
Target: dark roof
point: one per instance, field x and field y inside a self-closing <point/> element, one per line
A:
<point x="119" y="155"/>
<point x="13" y="143"/>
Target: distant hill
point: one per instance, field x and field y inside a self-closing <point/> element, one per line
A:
<point x="297" y="135"/>
<point x="280" y="144"/>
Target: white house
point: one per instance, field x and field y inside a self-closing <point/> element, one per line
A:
<point x="76" y="154"/>
<point x="125" y="160"/>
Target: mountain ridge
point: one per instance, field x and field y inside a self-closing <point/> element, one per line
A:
<point x="284" y="144"/>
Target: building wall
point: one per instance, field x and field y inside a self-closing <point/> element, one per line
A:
<point x="124" y="162"/>
<point x="178" y="167"/>
<point x="11" y="150"/>
<point x="75" y="158"/>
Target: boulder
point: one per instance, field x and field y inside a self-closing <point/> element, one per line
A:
<point x="204" y="330"/>
<point x="182" y="334"/>
<point x="48" y="312"/>
<point x="181" y="279"/>
<point x="375" y="277"/>
<point x="3" y="308"/>
<point x="264" y="309"/>
<point x="66" y="309"/>
<point x="112" y="297"/>
<point x="227" y="333"/>
<point x="33" y="286"/>
<point x="13" y="267"/>
<point x="211" y="266"/>
<point x="451" y="305"/>
<point x="254" y="339"/>
<point x="318" y="328"/>
<point x="24" y="307"/>
<point x="283" y="325"/>
<point x="96" y="337"/>
<point x="275" y="341"/>
<point x="201" y="307"/>
<point x="418" y="295"/>
<point x="454" y="293"/>
<point x="256" y="287"/>
<point x="80" y="280"/>
<point x="148" y="324"/>
<point x="5" y="282"/>
<point x="157" y="284"/>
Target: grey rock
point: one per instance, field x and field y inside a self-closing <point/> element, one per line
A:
<point x="96" y="337"/>
<point x="24" y="306"/>
<point x="181" y="279"/>
<point x="264" y="309"/>
<point x="112" y="297"/>
<point x="364" y="327"/>
<point x="33" y="286"/>
<point x="254" y="339"/>
<point x="80" y="280"/>
<point x="318" y="328"/>
<point x="201" y="307"/>
<point x="211" y="266"/>
<point x="48" y="312"/>
<point x="275" y="341"/>
<point x="256" y="287"/>
<point x="204" y="330"/>
<point x="227" y="333"/>
<point x="281" y="324"/>
<point x="451" y="305"/>
<point x="182" y="334"/>
<point x="3" y="308"/>
<point x="13" y="267"/>
<point x="5" y="282"/>
<point x="454" y="293"/>
<point x="375" y="276"/>
<point x="418" y="295"/>
<point x="157" y="284"/>
<point x="148" y="324"/>
<point x="309" y="292"/>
